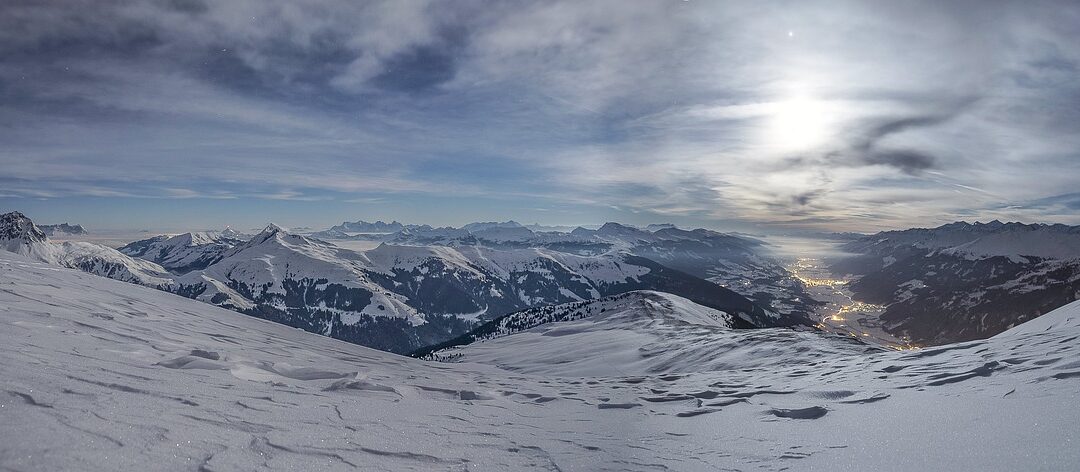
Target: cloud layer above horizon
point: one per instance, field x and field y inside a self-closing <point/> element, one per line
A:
<point x="825" y="115"/>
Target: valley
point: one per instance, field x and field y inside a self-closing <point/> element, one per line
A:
<point x="840" y="312"/>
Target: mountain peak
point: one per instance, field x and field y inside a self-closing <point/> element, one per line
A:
<point x="15" y="226"/>
<point x="611" y="228"/>
<point x="273" y="229"/>
<point x="228" y="232"/>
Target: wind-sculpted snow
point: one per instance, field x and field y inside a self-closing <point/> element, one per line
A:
<point x="102" y="375"/>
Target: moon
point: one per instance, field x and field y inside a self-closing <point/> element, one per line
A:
<point x="799" y="123"/>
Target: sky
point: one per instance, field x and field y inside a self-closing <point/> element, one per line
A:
<point x="751" y="116"/>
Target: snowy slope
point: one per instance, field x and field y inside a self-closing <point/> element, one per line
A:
<point x="102" y="375"/>
<point x="1066" y="318"/>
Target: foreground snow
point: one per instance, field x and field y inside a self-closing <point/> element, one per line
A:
<point x="102" y="375"/>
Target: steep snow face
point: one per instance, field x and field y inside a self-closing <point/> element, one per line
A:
<point x="633" y="333"/>
<point x="184" y="252"/>
<point x="102" y="375"/>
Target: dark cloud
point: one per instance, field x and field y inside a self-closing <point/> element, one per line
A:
<point x="419" y="69"/>
<point x="878" y="131"/>
<point x="425" y="66"/>
<point x="1067" y="201"/>
<point x="805" y="198"/>
<point x="909" y="161"/>
<point x="866" y="147"/>
<point x="193" y="7"/>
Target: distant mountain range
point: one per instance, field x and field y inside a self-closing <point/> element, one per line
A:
<point x="964" y="281"/>
<point x="396" y="297"/>
<point x="426" y="285"/>
<point x="399" y="298"/>
<point x="62" y="229"/>
<point x="736" y="262"/>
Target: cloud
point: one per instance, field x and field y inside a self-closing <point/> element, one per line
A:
<point x="704" y="111"/>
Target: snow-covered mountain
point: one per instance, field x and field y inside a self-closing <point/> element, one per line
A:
<point x="965" y="281"/>
<point x="365" y="227"/>
<point x="400" y="298"/>
<point x="19" y="235"/>
<point x="102" y="375"/>
<point x="735" y="262"/>
<point x="62" y="229"/>
<point x="185" y="252"/>
<point x="486" y="225"/>
<point x="397" y="298"/>
<point x="1016" y="241"/>
<point x="360" y="230"/>
<point x="309" y="284"/>
<point x="636" y="332"/>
